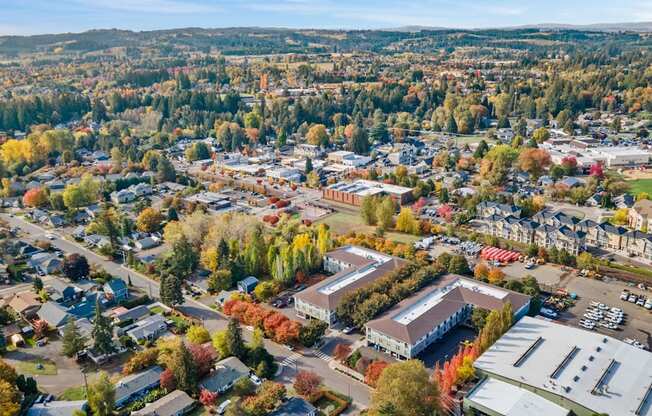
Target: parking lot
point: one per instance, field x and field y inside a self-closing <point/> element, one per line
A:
<point x="638" y="321"/>
<point x="448" y="346"/>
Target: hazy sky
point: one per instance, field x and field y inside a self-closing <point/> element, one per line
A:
<point x="54" y="16"/>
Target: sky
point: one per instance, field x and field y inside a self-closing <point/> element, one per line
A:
<point x="25" y="17"/>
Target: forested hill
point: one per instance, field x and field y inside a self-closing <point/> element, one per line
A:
<point x="257" y="41"/>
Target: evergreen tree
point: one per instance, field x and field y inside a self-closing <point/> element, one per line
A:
<point x="481" y="150"/>
<point x="73" y="341"/>
<point x="308" y="165"/>
<point x="234" y="341"/>
<point x="184" y="368"/>
<point x="170" y="290"/>
<point x="451" y="124"/>
<point x="102" y="332"/>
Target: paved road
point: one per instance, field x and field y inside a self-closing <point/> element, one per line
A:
<point x="213" y="321"/>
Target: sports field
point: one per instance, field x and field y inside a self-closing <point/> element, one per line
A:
<point x="641" y="185"/>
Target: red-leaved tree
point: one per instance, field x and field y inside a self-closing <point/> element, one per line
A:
<point x="168" y="382"/>
<point x="307" y="384"/>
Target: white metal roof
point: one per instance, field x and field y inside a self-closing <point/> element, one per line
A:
<point x="595" y="371"/>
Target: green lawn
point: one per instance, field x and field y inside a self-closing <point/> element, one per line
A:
<point x="37" y="367"/>
<point x="73" y="393"/>
<point x="157" y="310"/>
<point x="343" y="222"/>
<point x="640" y="185"/>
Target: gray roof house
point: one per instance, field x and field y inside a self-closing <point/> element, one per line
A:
<point x="296" y="406"/>
<point x="57" y="408"/>
<point x="247" y="285"/>
<point x="45" y="262"/>
<point x="54" y="314"/>
<point x="136" y="385"/>
<point x="177" y="403"/>
<point x="133" y="314"/>
<point x="226" y="373"/>
<point x="149" y="328"/>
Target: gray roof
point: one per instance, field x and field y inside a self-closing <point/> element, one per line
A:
<point x="419" y="314"/>
<point x="53" y="313"/>
<point x="133" y="313"/>
<point x="226" y="372"/>
<point x="169" y="405"/>
<point x="148" y="326"/>
<point x="296" y="406"/>
<point x="136" y="383"/>
<point x="56" y="408"/>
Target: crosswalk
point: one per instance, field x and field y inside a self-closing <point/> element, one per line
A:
<point x="290" y="360"/>
<point x="323" y="356"/>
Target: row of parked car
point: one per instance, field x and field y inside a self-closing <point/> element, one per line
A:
<point x="601" y="315"/>
<point x="640" y="300"/>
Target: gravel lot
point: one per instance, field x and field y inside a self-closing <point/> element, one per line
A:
<point x="545" y="274"/>
<point x="638" y="323"/>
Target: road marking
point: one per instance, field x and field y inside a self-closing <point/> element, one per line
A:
<point x="323" y="356"/>
<point x="290" y="360"/>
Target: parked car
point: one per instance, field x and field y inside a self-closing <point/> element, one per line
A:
<point x="221" y="409"/>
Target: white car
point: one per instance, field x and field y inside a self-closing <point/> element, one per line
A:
<point x="222" y="407"/>
<point x="255" y="379"/>
<point x="50" y="236"/>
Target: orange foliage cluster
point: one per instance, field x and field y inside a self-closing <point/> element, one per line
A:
<point x="275" y="325"/>
<point x="456" y="370"/>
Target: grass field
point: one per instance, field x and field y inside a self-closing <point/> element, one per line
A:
<point x="37" y="367"/>
<point x="640" y="185"/>
<point x="73" y="393"/>
<point x="342" y="223"/>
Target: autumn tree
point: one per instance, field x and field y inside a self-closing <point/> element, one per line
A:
<point x="495" y="275"/>
<point x="307" y="383"/>
<point x="374" y="371"/>
<point x="149" y="220"/>
<point x="101" y="396"/>
<point x="317" y="135"/>
<point x="342" y="351"/>
<point x="197" y="334"/>
<point x="406" y="388"/>
<point x="534" y="161"/>
<point x="35" y="197"/>
<point x="480" y="271"/>
<point x="167" y="380"/>
<point x="207" y="397"/>
<point x="406" y="221"/>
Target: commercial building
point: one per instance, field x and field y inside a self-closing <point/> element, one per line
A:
<point x="354" y="267"/>
<point x="353" y="193"/>
<point x="581" y="371"/>
<point x="411" y="326"/>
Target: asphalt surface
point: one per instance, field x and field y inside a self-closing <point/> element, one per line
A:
<point x="312" y="360"/>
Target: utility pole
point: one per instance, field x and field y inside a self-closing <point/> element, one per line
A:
<point x="85" y="382"/>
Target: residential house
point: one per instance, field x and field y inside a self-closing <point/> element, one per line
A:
<point x="62" y="292"/>
<point x="54" y="314"/>
<point x="136" y="385"/>
<point x="58" y="408"/>
<point x="25" y="304"/>
<point x="116" y="290"/>
<point x="639" y="244"/>
<point x="295" y="406"/>
<point x="177" y="403"/>
<point x="247" y="285"/>
<point x="132" y="315"/>
<point x="225" y="374"/>
<point x="146" y="243"/>
<point x="45" y="263"/>
<point x="147" y="329"/>
<point x="640" y="216"/>
<point x="123" y="196"/>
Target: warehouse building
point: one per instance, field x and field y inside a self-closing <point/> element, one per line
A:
<point x="582" y="372"/>
<point x="353" y="193"/>
<point x="354" y="267"/>
<point x="424" y="318"/>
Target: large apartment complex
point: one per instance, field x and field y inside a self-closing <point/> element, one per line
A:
<point x="411" y="326"/>
<point x="541" y="368"/>
<point x="353" y="268"/>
